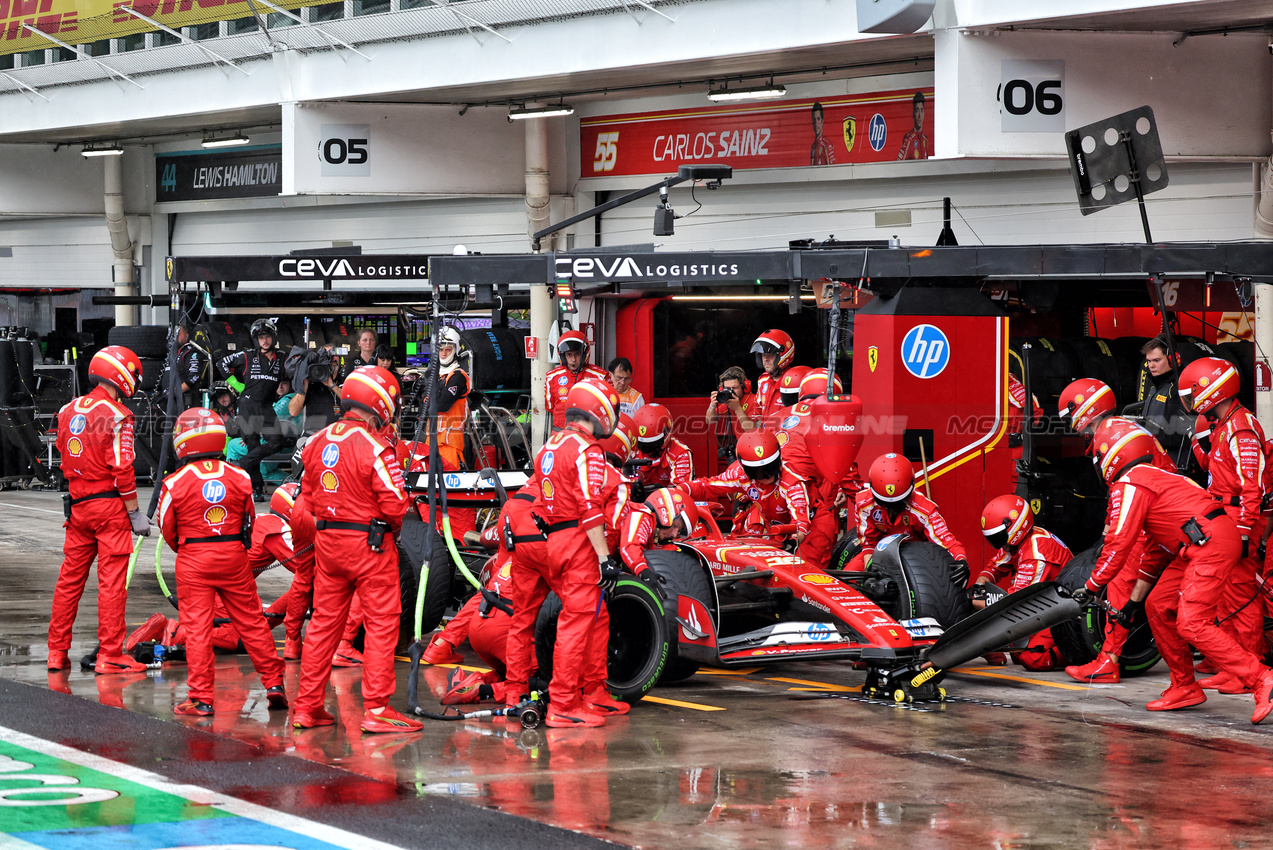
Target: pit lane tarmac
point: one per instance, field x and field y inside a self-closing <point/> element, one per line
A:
<point x="787" y="755"/>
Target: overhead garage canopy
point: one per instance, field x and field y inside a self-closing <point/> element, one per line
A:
<point x="652" y="270"/>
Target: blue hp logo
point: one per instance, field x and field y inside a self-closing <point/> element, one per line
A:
<point x="925" y="351"/>
<point x="819" y="632"/>
<point x="878" y="132"/>
<point x="330" y="455"/>
<point x="213" y="491"/>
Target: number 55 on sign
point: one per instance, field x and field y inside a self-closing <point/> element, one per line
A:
<point x="607" y="152"/>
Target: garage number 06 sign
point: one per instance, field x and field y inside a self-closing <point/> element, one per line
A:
<point x="345" y="150"/>
<point x="1032" y="96"/>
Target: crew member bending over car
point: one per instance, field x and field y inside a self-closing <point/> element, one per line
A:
<point x="95" y="440"/>
<point x="573" y="348"/>
<point x="774" y="495"/>
<point x="205" y="514"/>
<point x="1088" y="406"/>
<point x="1196" y="549"/>
<point x="891" y="505"/>
<point x="672" y="461"/>
<point x="1029" y="554"/>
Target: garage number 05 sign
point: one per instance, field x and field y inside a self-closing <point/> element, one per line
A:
<point x="345" y="150"/>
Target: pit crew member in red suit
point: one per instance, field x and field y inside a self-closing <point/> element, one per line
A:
<point x="891" y="505"/>
<point x="826" y="497"/>
<point x="1029" y="554"/>
<point x="774" y="350"/>
<point x="1237" y="466"/>
<point x="485" y="626"/>
<point x="776" y="495"/>
<point x="1016" y="415"/>
<point x="673" y="463"/>
<point x="573" y="348"/>
<point x="1191" y="531"/>
<point x="1088" y="404"/>
<point x="788" y="397"/>
<point x="560" y="545"/>
<point x="286" y="535"/>
<point x="205" y="514"/>
<point x="353" y="485"/>
<point x="95" y="440"/>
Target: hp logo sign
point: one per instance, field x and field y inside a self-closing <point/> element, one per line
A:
<point x="878" y="132"/>
<point x="925" y="351"/>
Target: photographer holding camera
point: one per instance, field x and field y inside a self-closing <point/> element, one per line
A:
<point x="313" y="374"/>
<point x="730" y="401"/>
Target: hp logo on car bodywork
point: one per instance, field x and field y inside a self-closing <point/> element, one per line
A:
<point x="925" y="351"/>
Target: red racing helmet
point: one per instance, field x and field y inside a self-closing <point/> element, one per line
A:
<point x="789" y="385"/>
<point x="892" y="478"/>
<point x="653" y="426"/>
<point x="774" y="342"/>
<point x="595" y="400"/>
<point x="117" y="366"/>
<point x="284" y="499"/>
<point x="622" y="439"/>
<point x="1084" y="402"/>
<point x="1118" y="445"/>
<point x="1006" y="521"/>
<point x="372" y="389"/>
<point x="815" y="383"/>
<point x="198" y="432"/>
<point x="759" y="454"/>
<point x="1207" y="382"/>
<point x="670" y="504"/>
<point x="573" y="341"/>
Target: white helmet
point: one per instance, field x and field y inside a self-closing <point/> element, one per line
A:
<point x="449" y="336"/>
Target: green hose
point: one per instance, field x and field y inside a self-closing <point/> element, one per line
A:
<point x="159" y="573"/>
<point x="455" y="553"/>
<point x="419" y="601"/>
<point x="132" y="562"/>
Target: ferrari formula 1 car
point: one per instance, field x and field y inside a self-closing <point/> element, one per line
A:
<point x="738" y="601"/>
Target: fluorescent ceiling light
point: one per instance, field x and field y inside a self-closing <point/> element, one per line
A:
<point x="522" y="112"/>
<point x="226" y="142"/>
<point x="109" y="150"/>
<point x="754" y="93"/>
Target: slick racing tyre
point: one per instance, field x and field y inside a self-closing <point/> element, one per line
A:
<point x="412" y="553"/>
<point x="1081" y="639"/>
<point x="149" y="342"/>
<point x="686" y="577"/>
<point x="846" y="549"/>
<point x="640" y="640"/>
<point x="921" y="572"/>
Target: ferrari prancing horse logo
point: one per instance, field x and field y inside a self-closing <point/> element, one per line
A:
<point x="873" y="357"/>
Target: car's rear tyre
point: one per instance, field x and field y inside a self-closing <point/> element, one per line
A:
<point x="932" y="593"/>
<point x="640" y="641"/>
<point x="686" y="576"/>
<point x="1080" y="640"/>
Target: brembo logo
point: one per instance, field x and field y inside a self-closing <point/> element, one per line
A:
<point x="315" y="268"/>
<point x="627" y="267"/>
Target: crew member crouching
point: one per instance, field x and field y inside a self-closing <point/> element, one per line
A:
<point x="774" y="494"/>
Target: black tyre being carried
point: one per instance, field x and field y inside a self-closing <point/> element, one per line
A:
<point x="640" y="639"/>
<point x="921" y="572"/>
<point x="686" y="576"/>
<point x="1080" y="640"/>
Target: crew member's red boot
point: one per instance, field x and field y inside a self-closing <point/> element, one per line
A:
<point x="1103" y="670"/>
<point x="1180" y="696"/>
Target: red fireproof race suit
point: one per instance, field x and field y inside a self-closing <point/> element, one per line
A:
<point x="825" y="524"/>
<point x="1236" y="469"/>
<point x="351" y="477"/>
<point x="674" y="466"/>
<point x="1183" y="611"/>
<point x="918" y="520"/>
<point x="557" y="386"/>
<point x="95" y="439"/>
<point x="768" y="399"/>
<point x="202" y="509"/>
<point x="783" y="502"/>
<point x="1119" y="589"/>
<point x="291" y="544"/>
<point x="571" y="471"/>
<point x="488" y="635"/>
<point x="1040" y="557"/>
